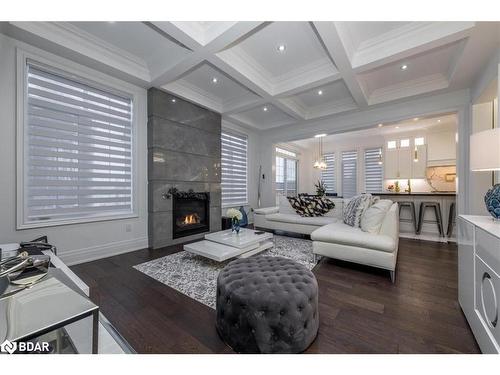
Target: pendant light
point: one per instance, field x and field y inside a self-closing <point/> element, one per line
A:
<point x="320" y="163"/>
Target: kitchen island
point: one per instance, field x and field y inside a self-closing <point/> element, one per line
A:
<point x="429" y="230"/>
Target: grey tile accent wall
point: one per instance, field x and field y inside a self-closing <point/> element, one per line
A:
<point x="184" y="151"/>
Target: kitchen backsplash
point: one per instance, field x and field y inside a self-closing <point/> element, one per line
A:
<point x="441" y="178"/>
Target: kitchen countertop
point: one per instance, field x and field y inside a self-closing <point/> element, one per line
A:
<point x="430" y="194"/>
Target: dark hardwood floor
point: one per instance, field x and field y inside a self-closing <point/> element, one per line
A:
<point x="361" y="311"/>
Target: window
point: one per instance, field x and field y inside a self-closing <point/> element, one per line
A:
<point x="328" y="176"/>
<point x="234" y="169"/>
<point x="373" y="170"/>
<point x="349" y="173"/>
<point x="77" y="150"/>
<point x="419" y="141"/>
<point x="391" y="144"/>
<point x="286" y="152"/>
<point x="404" y="143"/>
<point x="286" y="175"/>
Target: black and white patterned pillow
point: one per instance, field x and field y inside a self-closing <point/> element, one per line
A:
<point x="320" y="205"/>
<point x="355" y="208"/>
<point x="301" y="206"/>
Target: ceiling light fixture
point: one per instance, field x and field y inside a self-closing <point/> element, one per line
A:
<point x="173" y="100"/>
<point x="404" y="67"/>
<point x="380" y="125"/>
<point x="320" y="135"/>
<point x="215" y="80"/>
<point x="439" y="120"/>
<point x="320" y="92"/>
<point x="320" y="162"/>
<point x="397" y="127"/>
<point x="416" y="119"/>
<point x="265" y="109"/>
<point x="281" y="48"/>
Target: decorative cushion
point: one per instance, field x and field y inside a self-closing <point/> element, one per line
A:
<point x="320" y="205"/>
<point x="371" y="220"/>
<point x="267" y="305"/>
<point x="355" y="208"/>
<point x="301" y="206"/>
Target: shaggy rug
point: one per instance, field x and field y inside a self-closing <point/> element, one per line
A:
<point x="196" y="276"/>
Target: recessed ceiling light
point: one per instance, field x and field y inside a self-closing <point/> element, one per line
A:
<point x="416" y="119"/>
<point x="215" y="80"/>
<point x="265" y="109"/>
<point x="380" y="125"/>
<point x="439" y="120"/>
<point x="173" y="100"/>
<point x="397" y="127"/>
<point x="320" y="135"/>
<point x="281" y="48"/>
<point x="404" y="67"/>
<point x="320" y="92"/>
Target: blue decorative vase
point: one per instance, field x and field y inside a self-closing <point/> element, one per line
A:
<point x="244" y="217"/>
<point x="235" y="225"/>
<point x="492" y="201"/>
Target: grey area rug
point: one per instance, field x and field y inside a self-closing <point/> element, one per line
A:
<point x="196" y="276"/>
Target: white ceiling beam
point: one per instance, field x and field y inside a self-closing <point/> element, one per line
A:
<point x="199" y="52"/>
<point x="331" y="41"/>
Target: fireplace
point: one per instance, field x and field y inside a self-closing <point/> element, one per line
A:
<point x="191" y="213"/>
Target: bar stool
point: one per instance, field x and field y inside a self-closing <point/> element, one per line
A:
<point x="413" y="218"/>
<point x="437" y="212"/>
<point x="451" y="220"/>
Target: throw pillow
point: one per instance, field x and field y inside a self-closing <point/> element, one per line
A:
<point x="355" y="208"/>
<point x="372" y="219"/>
<point x="320" y="205"/>
<point x="301" y="206"/>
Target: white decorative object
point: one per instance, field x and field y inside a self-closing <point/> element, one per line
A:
<point x="485" y="150"/>
<point x="223" y="245"/>
<point x="371" y="221"/>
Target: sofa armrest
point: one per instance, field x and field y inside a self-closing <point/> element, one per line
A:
<point x="266" y="210"/>
<point x="390" y="224"/>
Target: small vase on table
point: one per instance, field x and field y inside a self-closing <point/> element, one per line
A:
<point x="235" y="216"/>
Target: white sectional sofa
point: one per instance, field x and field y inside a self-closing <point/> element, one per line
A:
<point x="334" y="239"/>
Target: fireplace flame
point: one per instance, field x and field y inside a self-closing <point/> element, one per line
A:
<point x="191" y="219"/>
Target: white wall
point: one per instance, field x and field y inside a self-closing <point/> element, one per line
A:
<point x="78" y="242"/>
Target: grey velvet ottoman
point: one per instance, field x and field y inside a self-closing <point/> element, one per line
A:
<point x="267" y="305"/>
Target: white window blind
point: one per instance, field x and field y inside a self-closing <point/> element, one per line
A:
<point x="349" y="173"/>
<point x="328" y="176"/>
<point x="373" y="170"/>
<point x="234" y="169"/>
<point x="77" y="150"/>
<point x="286" y="177"/>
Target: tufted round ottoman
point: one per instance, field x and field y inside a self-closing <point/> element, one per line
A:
<point x="267" y="305"/>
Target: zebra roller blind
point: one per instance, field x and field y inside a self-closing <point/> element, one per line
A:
<point x="234" y="169"/>
<point x="77" y="150"/>
<point x="373" y="170"/>
<point x="328" y="175"/>
<point x="349" y="173"/>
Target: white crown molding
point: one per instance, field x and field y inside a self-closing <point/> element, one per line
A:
<point x="194" y="94"/>
<point x="406" y="41"/>
<point x="328" y="109"/>
<point x="409" y="88"/>
<point x="295" y="106"/>
<point x="306" y="76"/>
<point x="75" y="39"/>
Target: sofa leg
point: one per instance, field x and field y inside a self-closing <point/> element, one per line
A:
<point x="393" y="276"/>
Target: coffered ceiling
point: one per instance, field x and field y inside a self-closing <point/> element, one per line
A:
<point x="265" y="75"/>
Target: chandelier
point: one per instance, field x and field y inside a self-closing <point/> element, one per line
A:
<point x="320" y="163"/>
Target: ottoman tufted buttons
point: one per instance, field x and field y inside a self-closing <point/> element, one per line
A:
<point x="258" y="290"/>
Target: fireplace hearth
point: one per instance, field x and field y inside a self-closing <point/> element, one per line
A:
<point x="191" y="213"/>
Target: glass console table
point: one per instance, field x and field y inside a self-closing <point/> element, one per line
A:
<point x="48" y="312"/>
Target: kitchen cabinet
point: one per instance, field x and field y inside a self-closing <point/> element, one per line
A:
<point x="419" y="167"/>
<point x="441" y="149"/>
<point x="479" y="279"/>
<point x="399" y="163"/>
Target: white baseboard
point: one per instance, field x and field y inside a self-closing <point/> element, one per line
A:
<point x="88" y="254"/>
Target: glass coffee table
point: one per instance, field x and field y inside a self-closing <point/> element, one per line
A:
<point x="224" y="245"/>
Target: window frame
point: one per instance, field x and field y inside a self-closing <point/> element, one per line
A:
<point x="285" y="157"/>
<point x="79" y="73"/>
<point x="236" y="134"/>
<point x="356" y="152"/>
<point x="380" y="149"/>
<point x="335" y="175"/>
